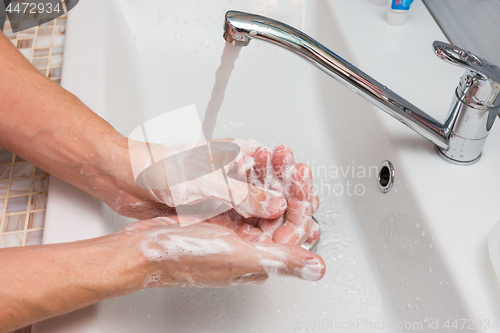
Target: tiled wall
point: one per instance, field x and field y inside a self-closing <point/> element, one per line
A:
<point x="23" y="186"/>
<point x="23" y="196"/>
<point x="42" y="46"/>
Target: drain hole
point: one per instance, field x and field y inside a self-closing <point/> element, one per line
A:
<point x="385" y="176"/>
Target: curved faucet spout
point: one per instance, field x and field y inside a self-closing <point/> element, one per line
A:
<point x="241" y="27"/>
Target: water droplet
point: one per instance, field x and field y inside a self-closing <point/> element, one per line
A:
<point x="430" y="269"/>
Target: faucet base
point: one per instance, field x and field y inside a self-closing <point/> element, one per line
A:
<point x="451" y="160"/>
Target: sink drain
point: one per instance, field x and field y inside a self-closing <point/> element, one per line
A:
<point x="385" y="176"/>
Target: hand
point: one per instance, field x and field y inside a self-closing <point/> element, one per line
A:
<point x="210" y="255"/>
<point x="278" y="171"/>
<point x="144" y="254"/>
<point x="272" y="178"/>
<point x="154" y="197"/>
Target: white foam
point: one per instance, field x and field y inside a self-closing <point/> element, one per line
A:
<point x="152" y="279"/>
<point x="311" y="270"/>
<point x="166" y="244"/>
<point x="272" y="266"/>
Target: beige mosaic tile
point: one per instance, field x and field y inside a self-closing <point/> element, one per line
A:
<point x="23" y="187"/>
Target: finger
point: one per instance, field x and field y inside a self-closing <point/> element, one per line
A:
<point x="315" y="202"/>
<point x="262" y="159"/>
<point x="245" y="167"/>
<point x="253" y="221"/>
<point x="247" y="232"/>
<point x="269" y="227"/>
<point x="313" y="233"/>
<point x="253" y="201"/>
<point x="239" y="225"/>
<point x="286" y="259"/>
<point x="282" y="161"/>
<point x="296" y="228"/>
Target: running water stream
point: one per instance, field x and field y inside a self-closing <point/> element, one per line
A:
<point x="222" y="75"/>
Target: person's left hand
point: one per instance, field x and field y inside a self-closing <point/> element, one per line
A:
<point x="148" y="193"/>
<point x="207" y="254"/>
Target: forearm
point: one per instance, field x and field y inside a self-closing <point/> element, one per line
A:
<point x="53" y="129"/>
<point x="38" y="282"/>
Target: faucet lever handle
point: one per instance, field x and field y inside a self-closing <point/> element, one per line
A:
<point x="465" y="59"/>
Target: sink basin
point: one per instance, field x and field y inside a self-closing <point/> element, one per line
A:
<point x="414" y="258"/>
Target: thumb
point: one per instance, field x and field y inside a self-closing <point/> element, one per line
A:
<point x="293" y="260"/>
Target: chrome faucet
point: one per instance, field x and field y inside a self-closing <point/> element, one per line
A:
<point x="473" y="110"/>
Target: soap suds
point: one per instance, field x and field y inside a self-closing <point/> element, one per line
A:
<point x="169" y="243"/>
<point x="271" y="266"/>
<point x="151" y="279"/>
<point x="311" y="270"/>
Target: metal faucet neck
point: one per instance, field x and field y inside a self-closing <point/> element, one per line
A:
<point x="478" y="95"/>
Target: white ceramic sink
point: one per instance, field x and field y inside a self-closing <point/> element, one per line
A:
<point x="412" y="258"/>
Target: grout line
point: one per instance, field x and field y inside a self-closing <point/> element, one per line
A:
<point x="50" y="48"/>
<point x="40" y="210"/>
<point x="6" y="200"/>
<point x="23" y="195"/>
<point x="22" y="231"/>
<point x="26" y="177"/>
<point x="28" y="209"/>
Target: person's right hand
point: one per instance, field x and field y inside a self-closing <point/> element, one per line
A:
<point x="211" y="255"/>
